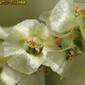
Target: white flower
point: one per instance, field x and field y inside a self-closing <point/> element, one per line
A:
<point x="8" y="76"/>
<point x="60" y="17"/>
<point x="25" y="38"/>
<point x="30" y="45"/>
<point x="23" y="59"/>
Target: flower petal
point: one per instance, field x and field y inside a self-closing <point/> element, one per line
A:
<point x="41" y="31"/>
<point x="25" y="63"/>
<point x="22" y="30"/>
<point x="61" y="16"/>
<point x="55" y="60"/>
<point x="9" y="76"/>
<point x="11" y="49"/>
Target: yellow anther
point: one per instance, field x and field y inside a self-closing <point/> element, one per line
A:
<point x="78" y="10"/>
<point x="31" y="43"/>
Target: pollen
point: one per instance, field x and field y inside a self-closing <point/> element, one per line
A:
<point x="78" y="10"/>
<point x="33" y="47"/>
<point x="31" y="43"/>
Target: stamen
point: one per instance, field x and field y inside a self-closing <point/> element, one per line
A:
<point x="33" y="47"/>
<point x="31" y="44"/>
<point x="78" y="10"/>
<point x="72" y="53"/>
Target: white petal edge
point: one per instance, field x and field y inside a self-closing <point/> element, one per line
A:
<point x="26" y="63"/>
<point x="22" y="29"/>
<point x="60" y="15"/>
<point x="55" y="60"/>
<point x="41" y="31"/>
<point x="9" y="76"/>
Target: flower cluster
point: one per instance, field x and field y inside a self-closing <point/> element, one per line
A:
<point x="54" y="41"/>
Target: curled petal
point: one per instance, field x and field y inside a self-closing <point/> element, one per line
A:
<point x="41" y="31"/>
<point x="55" y="60"/>
<point x="60" y="16"/>
<point x="25" y="63"/>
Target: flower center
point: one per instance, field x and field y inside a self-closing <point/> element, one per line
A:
<point x="34" y="46"/>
